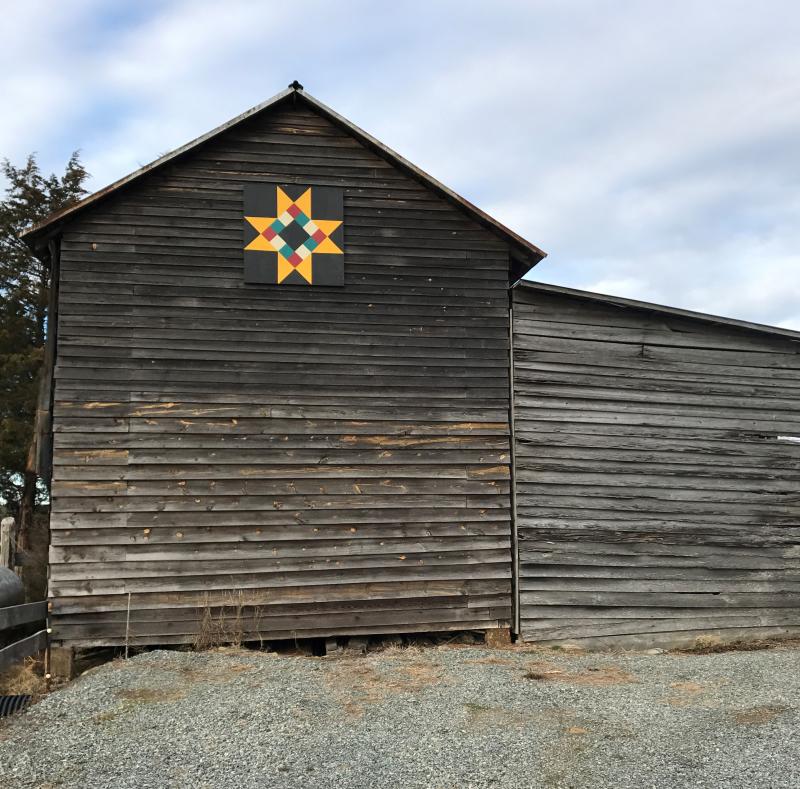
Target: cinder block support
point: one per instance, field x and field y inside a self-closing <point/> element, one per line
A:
<point x="62" y="663"/>
<point x="332" y="646"/>
<point x="498" y="637"/>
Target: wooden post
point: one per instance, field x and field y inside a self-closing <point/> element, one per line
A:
<point x="498" y="637"/>
<point x="8" y="535"/>
<point x="62" y="662"/>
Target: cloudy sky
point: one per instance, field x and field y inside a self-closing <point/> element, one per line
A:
<point x="653" y="149"/>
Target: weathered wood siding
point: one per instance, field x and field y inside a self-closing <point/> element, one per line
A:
<point x="654" y="498"/>
<point x="333" y="460"/>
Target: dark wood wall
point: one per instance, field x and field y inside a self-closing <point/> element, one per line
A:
<point x="655" y="501"/>
<point x="328" y="460"/>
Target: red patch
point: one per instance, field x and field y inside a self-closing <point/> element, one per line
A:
<point x="269" y="234"/>
<point x="293" y="210"/>
<point x="295" y="259"/>
<point x="319" y="236"/>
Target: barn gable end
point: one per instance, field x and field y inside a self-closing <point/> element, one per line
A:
<point x="284" y="461"/>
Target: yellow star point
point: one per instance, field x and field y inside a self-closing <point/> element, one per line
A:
<point x="260" y="224"/>
<point x="285" y="268"/>
<point x="303" y="202"/>
<point x="327" y="226"/>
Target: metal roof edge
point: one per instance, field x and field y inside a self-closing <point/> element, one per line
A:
<point x="619" y="301"/>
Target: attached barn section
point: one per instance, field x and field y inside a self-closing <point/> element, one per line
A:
<point x="657" y="471"/>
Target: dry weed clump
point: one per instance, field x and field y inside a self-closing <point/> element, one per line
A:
<point x="26" y="678"/>
<point x="714" y="645"/>
<point x="758" y="715"/>
<point x="236" y="620"/>
<point x="595" y="676"/>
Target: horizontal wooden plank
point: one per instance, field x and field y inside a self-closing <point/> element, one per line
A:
<point x="307" y="486"/>
<point x="310" y="595"/>
<point x="118" y="534"/>
<point x="639" y="598"/>
<point x="113" y="467"/>
<point x="228" y="404"/>
<point x="535" y="630"/>
<point x="255" y="636"/>
<point x="187" y="568"/>
<point x="243" y="622"/>
<point x="182" y="549"/>
<point x="236" y="603"/>
<point x="290" y="578"/>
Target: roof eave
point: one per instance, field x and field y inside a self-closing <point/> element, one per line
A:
<point x="619" y="301"/>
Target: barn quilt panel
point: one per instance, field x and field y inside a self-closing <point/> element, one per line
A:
<point x="293" y="235"/>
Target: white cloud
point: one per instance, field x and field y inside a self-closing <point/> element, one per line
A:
<point x="650" y="148"/>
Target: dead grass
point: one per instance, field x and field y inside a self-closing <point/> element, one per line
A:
<point x="213" y="672"/>
<point x="130" y="698"/>
<point x="150" y="695"/>
<point x="713" y="645"/>
<point x="688" y="687"/>
<point x="358" y="682"/>
<point x="395" y="647"/>
<point x="689" y="694"/>
<point x="27" y="678"/>
<point x="492" y="661"/>
<point x="558" y="719"/>
<point x="481" y="716"/>
<point x="594" y="676"/>
<point x="758" y="715"/>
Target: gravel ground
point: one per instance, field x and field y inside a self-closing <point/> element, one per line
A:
<point x="439" y="717"/>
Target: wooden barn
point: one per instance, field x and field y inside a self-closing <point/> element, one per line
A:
<point x="656" y="474"/>
<point x="296" y="388"/>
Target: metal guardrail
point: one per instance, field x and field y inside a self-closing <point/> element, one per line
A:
<point x="15" y="616"/>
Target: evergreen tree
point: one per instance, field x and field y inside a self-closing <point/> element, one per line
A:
<point x="24" y="283"/>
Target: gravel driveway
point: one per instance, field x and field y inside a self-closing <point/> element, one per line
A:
<point x="440" y="717"/>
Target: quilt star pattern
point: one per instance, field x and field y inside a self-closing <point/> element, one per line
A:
<point x="293" y="235"/>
